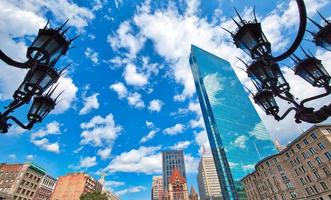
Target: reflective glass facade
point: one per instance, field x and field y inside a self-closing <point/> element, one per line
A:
<point x="237" y="137"/>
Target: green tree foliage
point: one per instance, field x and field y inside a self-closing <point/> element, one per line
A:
<point x="93" y="196"/>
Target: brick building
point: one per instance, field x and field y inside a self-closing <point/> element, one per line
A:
<point x="302" y="170"/>
<point x="20" y="181"/>
<point x="73" y="185"/>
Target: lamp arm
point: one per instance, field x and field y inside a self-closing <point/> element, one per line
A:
<point x="288" y="99"/>
<point x="311" y="116"/>
<point x="14" y="63"/>
<point x="29" y="126"/>
<point x="12" y="106"/>
<point x="315" y="97"/>
<point x="300" y="34"/>
<point x="278" y="118"/>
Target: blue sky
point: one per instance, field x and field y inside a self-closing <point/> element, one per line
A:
<point x="129" y="93"/>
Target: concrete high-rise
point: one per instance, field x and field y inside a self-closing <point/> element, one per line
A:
<point x="235" y="131"/>
<point x="302" y="170"/>
<point x="21" y="181"/>
<point x="73" y="185"/>
<point x="208" y="183"/>
<point x="157" y="187"/>
<point x="170" y="160"/>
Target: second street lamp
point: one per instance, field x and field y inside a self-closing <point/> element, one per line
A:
<point x="265" y="73"/>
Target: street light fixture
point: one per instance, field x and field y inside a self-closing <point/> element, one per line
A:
<point x="266" y="75"/>
<point x="49" y="45"/>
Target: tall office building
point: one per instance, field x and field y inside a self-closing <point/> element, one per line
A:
<point x="208" y="183"/>
<point x="302" y="170"/>
<point x="21" y="181"/>
<point x="73" y="185"/>
<point x="170" y="160"/>
<point x="157" y="187"/>
<point x="237" y="137"/>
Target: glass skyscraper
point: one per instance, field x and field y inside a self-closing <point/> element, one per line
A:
<point x="237" y="137"/>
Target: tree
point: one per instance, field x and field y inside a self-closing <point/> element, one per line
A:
<point x="93" y="196"/>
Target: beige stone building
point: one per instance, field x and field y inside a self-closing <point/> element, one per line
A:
<point x="46" y="188"/>
<point x="302" y="170"/>
<point x="73" y="185"/>
<point x="208" y="183"/>
<point x="157" y="187"/>
<point x="20" y="181"/>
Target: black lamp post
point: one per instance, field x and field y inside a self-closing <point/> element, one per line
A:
<point x="266" y="75"/>
<point x="44" y="52"/>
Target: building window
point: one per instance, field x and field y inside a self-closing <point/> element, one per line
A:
<point x="313" y="135"/>
<point x="293" y="195"/>
<point x="319" y="161"/>
<point x="305" y="141"/>
<point x="328" y="130"/>
<point x="311" y="150"/>
<point x="321" y="145"/>
<point x="315" y="188"/>
<point x="284" y="177"/>
<point x="302" y="181"/>
<point x="325" y="187"/>
<point x="309" y="179"/>
<point x="310" y="164"/>
<point x="328" y="155"/>
<point x="298" y="146"/>
<point x="308" y="191"/>
<point x="304" y="155"/>
<point x="283" y="196"/>
<point x="317" y="174"/>
<point x="279" y="168"/>
<point x="326" y="171"/>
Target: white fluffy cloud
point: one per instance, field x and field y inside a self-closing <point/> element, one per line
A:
<point x="149" y="124"/>
<point x="90" y="103"/>
<point x="92" y="55"/>
<point x="133" y="189"/>
<point x="181" y="145"/>
<point x="201" y="139"/>
<point x="39" y="138"/>
<point x="46" y="145"/>
<point x="147" y="160"/>
<point x="87" y="162"/>
<point x="151" y="134"/>
<point x="134" y="99"/>
<point x="142" y="160"/>
<point x="100" y="131"/>
<point x="124" y="38"/>
<point x="155" y="105"/>
<point x="104" y="153"/>
<point x="120" y="89"/>
<point x="174" y="130"/>
<point x="133" y="77"/>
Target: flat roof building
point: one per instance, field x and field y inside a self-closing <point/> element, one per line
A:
<point x="20" y="181"/>
<point x="73" y="185"/>
<point x="170" y="160"/>
<point x="302" y="170"/>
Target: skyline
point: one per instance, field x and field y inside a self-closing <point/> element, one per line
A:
<point x="131" y="78"/>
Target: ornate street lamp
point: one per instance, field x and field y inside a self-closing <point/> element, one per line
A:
<point x="44" y="52"/>
<point x="322" y="37"/>
<point x="265" y="73"/>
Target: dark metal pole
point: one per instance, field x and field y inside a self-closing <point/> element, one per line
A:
<point x="300" y="35"/>
<point x="14" y="63"/>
